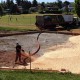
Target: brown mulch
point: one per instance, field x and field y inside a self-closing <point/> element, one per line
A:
<point x="7" y="58"/>
<point x="9" y="33"/>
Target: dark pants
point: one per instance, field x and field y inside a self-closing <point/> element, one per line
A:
<point x="18" y="56"/>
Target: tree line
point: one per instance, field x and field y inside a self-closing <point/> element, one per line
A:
<point x="13" y="7"/>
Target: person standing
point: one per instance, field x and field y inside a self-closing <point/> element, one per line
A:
<point x="18" y="52"/>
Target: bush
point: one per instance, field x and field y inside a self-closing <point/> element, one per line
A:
<point x="53" y="12"/>
<point x="25" y="11"/>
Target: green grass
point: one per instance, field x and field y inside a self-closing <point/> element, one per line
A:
<point x="26" y="75"/>
<point x="23" y="22"/>
<point x="17" y="29"/>
<point x="18" y="22"/>
<point x="26" y="19"/>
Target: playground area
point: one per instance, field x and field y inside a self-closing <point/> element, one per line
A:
<point x="57" y="51"/>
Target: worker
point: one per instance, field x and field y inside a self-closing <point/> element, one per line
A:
<point x="18" y="52"/>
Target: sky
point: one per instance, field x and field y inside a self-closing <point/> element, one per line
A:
<point x="47" y="0"/>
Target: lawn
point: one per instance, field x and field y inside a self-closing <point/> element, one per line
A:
<point x="18" y="22"/>
<point x="23" y="21"/>
<point x="26" y="75"/>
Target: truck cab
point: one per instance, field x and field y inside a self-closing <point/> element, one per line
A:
<point x="76" y="21"/>
<point x="49" y="21"/>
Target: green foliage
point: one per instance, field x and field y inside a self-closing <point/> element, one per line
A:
<point x="77" y="7"/>
<point x="1" y="10"/>
<point x="59" y="4"/>
<point x="9" y="3"/>
<point x="66" y="3"/>
<point x="14" y="9"/>
<point x="35" y="3"/>
<point x="18" y="2"/>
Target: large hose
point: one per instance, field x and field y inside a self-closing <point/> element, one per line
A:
<point x="37" y="45"/>
<point x="28" y="55"/>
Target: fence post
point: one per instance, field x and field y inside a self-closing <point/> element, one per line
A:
<point x="30" y="61"/>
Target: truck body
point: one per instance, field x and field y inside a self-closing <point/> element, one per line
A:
<point x="48" y="21"/>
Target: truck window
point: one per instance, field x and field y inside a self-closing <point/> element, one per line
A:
<point x="54" y="19"/>
<point x="60" y="18"/>
<point x="47" y="18"/>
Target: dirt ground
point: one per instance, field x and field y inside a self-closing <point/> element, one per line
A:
<point x="58" y="51"/>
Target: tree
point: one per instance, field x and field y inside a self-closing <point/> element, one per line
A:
<point x="59" y="4"/>
<point x="26" y="5"/>
<point x="34" y="3"/>
<point x="14" y="9"/>
<point x="77" y="7"/>
<point x="66" y="3"/>
<point x="18" y="2"/>
<point x="8" y="3"/>
<point x="41" y="7"/>
<point x="3" y="4"/>
<point x="1" y="10"/>
<point x="43" y="4"/>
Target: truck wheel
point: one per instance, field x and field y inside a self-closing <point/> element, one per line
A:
<point x="67" y="28"/>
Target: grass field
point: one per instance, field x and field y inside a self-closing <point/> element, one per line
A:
<point x="24" y="21"/>
<point x="26" y="75"/>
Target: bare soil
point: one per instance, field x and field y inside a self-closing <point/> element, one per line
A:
<point x="56" y="51"/>
<point x="28" y="43"/>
